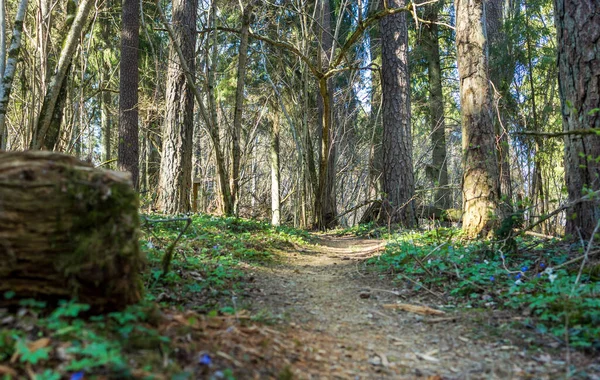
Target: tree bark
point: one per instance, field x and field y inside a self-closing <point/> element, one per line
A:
<point x="480" y="179"/>
<point x="436" y="108"/>
<point x="398" y="180"/>
<point x="239" y="106"/>
<point x="2" y="37"/>
<point x="325" y="203"/>
<point x="9" y="72"/>
<point x="128" y="146"/>
<point x="578" y="30"/>
<point x="175" y="182"/>
<point x="68" y="230"/>
<point x="275" y="175"/>
<point x="46" y="132"/>
<point x="501" y="69"/>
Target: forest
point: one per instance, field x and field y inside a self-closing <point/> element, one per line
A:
<point x="299" y="189"/>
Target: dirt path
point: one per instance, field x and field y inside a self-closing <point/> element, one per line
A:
<point x="334" y="309"/>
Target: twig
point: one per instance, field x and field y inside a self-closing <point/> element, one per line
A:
<point x="166" y="262"/>
<point x="577" y="259"/>
<point x="589" y="131"/>
<point x="587" y="198"/>
<point x="440" y="296"/>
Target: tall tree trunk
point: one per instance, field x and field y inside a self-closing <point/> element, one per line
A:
<point x="47" y="128"/>
<point x="176" y="161"/>
<point x="275" y="177"/>
<point x="436" y="108"/>
<point x="537" y="188"/>
<point x="239" y="106"/>
<point x="578" y="28"/>
<point x="480" y="178"/>
<point x="212" y="119"/>
<point x="128" y="148"/>
<point x="325" y="204"/>
<point x="2" y="37"/>
<point x="376" y="161"/>
<point x="106" y="121"/>
<point x="9" y="72"/>
<point x="398" y="180"/>
<point x="500" y="71"/>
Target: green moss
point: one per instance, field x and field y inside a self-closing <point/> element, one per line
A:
<point x="102" y="228"/>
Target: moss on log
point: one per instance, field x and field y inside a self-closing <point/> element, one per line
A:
<point x="68" y="230"/>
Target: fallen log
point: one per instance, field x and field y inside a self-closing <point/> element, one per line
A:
<point x="67" y="230"/>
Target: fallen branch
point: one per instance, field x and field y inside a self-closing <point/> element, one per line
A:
<point x="579" y="258"/>
<point x="587" y="198"/>
<point x="423" y="310"/>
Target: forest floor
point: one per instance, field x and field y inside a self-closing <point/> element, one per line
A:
<point x="244" y="300"/>
<point x="336" y="320"/>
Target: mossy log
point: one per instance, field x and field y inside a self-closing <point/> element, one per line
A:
<point x="67" y="230"/>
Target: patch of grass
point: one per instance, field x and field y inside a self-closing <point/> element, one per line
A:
<point x="477" y="274"/>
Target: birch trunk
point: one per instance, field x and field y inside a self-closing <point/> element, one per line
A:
<point x="9" y="71"/>
<point x="275" y="175"/>
<point x="46" y="133"/>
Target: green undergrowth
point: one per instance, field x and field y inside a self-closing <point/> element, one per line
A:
<point x="561" y="300"/>
<point x="206" y="266"/>
<point x="62" y="342"/>
<point x="368" y="230"/>
<point x="206" y="276"/>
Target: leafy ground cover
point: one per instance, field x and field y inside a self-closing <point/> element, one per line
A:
<point x="168" y="332"/>
<point x="542" y="280"/>
<point x="241" y="299"/>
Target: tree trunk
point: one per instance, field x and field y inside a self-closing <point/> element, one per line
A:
<point x="537" y="183"/>
<point x="398" y="180"/>
<point x="239" y="106"/>
<point x="9" y="72"/>
<point x="325" y="204"/>
<point x="578" y="29"/>
<point x="480" y="178"/>
<point x="175" y="182"/>
<point x="501" y="66"/>
<point x="212" y="119"/>
<point x="2" y="37"/>
<point x="68" y="230"/>
<point x="275" y="177"/>
<point x="128" y="147"/>
<point x="436" y="108"/>
<point x="46" y="132"/>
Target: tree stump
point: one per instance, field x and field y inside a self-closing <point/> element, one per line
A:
<point x="67" y="230"/>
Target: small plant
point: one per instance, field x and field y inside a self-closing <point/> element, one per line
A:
<point x="478" y="275"/>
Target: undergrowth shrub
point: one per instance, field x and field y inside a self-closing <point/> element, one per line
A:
<point x="561" y="300"/>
